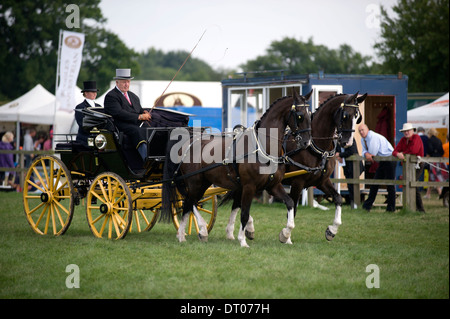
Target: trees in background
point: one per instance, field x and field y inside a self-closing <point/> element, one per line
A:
<point x="29" y="32"/>
<point x="415" y="41"/>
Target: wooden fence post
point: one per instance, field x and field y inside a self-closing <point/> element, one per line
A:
<point x="310" y="193"/>
<point x="356" y="186"/>
<point x="409" y="175"/>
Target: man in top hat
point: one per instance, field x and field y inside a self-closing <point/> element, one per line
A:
<point x="125" y="107"/>
<point x="412" y="144"/>
<point x="90" y="93"/>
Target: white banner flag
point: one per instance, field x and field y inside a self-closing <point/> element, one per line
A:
<point x="69" y="66"/>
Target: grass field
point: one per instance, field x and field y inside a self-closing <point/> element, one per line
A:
<point x="410" y="249"/>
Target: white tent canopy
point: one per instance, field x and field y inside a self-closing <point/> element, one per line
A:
<point x="34" y="107"/>
<point x="433" y="115"/>
<point x="17" y="110"/>
<point x="38" y="107"/>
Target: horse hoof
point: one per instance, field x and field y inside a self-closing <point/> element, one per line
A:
<point x="283" y="239"/>
<point x="250" y="235"/>
<point x="203" y="239"/>
<point x="329" y="235"/>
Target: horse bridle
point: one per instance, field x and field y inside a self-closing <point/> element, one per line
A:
<point x="339" y="130"/>
<point x="299" y="117"/>
<point x="343" y="117"/>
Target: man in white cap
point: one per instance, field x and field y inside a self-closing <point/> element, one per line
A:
<point x="125" y="107"/>
<point x="412" y="144"/>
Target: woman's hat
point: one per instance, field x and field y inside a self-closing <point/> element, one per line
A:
<point x="123" y="74"/>
<point x="89" y="86"/>
<point x="407" y="127"/>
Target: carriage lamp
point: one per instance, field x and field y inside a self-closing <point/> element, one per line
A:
<point x="100" y="141"/>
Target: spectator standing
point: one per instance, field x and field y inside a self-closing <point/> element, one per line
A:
<point x="411" y="143"/>
<point x="28" y="145"/>
<point x="7" y="160"/>
<point x="48" y="142"/>
<point x="435" y="150"/>
<point x="374" y="144"/>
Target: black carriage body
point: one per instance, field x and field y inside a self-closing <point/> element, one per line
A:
<point x="109" y="150"/>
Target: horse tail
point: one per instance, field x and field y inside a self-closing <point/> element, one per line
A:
<point x="169" y="187"/>
<point x="226" y="198"/>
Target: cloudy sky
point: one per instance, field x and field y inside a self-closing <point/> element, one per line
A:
<point x="240" y="30"/>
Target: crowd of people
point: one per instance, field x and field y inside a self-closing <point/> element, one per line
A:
<point x="32" y="141"/>
<point x="420" y="144"/>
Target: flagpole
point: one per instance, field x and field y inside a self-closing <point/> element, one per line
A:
<point x="56" y="80"/>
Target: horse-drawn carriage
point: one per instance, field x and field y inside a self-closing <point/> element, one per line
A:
<point x="121" y="192"/>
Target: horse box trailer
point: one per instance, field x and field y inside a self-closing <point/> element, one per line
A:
<point x="246" y="98"/>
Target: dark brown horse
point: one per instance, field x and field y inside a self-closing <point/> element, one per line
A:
<point x="247" y="163"/>
<point x="333" y="123"/>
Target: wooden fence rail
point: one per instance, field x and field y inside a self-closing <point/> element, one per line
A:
<point x="408" y="182"/>
<point x="21" y="169"/>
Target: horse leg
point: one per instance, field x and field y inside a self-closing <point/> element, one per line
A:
<point x="332" y="230"/>
<point x="250" y="228"/>
<point x="203" y="227"/>
<point x="231" y="221"/>
<point x="296" y="188"/>
<point x="234" y="210"/>
<point x="285" y="234"/>
<point x="181" y="234"/>
<point x="248" y="192"/>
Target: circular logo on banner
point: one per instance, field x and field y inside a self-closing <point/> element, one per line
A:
<point x="178" y="99"/>
<point x="73" y="42"/>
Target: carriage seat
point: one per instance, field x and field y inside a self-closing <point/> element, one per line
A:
<point x="73" y="146"/>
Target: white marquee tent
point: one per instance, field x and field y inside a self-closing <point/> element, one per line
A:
<point x="433" y="115"/>
<point x="17" y="110"/>
<point x="38" y="107"/>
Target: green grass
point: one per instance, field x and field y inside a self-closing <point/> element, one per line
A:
<point x="410" y="249"/>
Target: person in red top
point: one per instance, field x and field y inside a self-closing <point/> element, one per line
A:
<point x="412" y="144"/>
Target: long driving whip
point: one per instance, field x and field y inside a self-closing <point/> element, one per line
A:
<point x="187" y="58"/>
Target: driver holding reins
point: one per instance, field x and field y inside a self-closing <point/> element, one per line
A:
<point x="125" y="107"/>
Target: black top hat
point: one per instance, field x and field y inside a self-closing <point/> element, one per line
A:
<point x="89" y="86"/>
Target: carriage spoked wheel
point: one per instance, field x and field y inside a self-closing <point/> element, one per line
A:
<point x="207" y="207"/>
<point x="108" y="206"/>
<point x="48" y="196"/>
<point x="144" y="219"/>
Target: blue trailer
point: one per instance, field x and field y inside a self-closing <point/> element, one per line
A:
<point x="246" y="98"/>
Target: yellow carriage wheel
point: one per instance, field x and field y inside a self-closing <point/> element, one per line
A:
<point x="207" y="207"/>
<point x="48" y="196"/>
<point x="108" y="206"/>
<point x="144" y="219"/>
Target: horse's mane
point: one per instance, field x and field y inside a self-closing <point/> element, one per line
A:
<point x="273" y="103"/>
